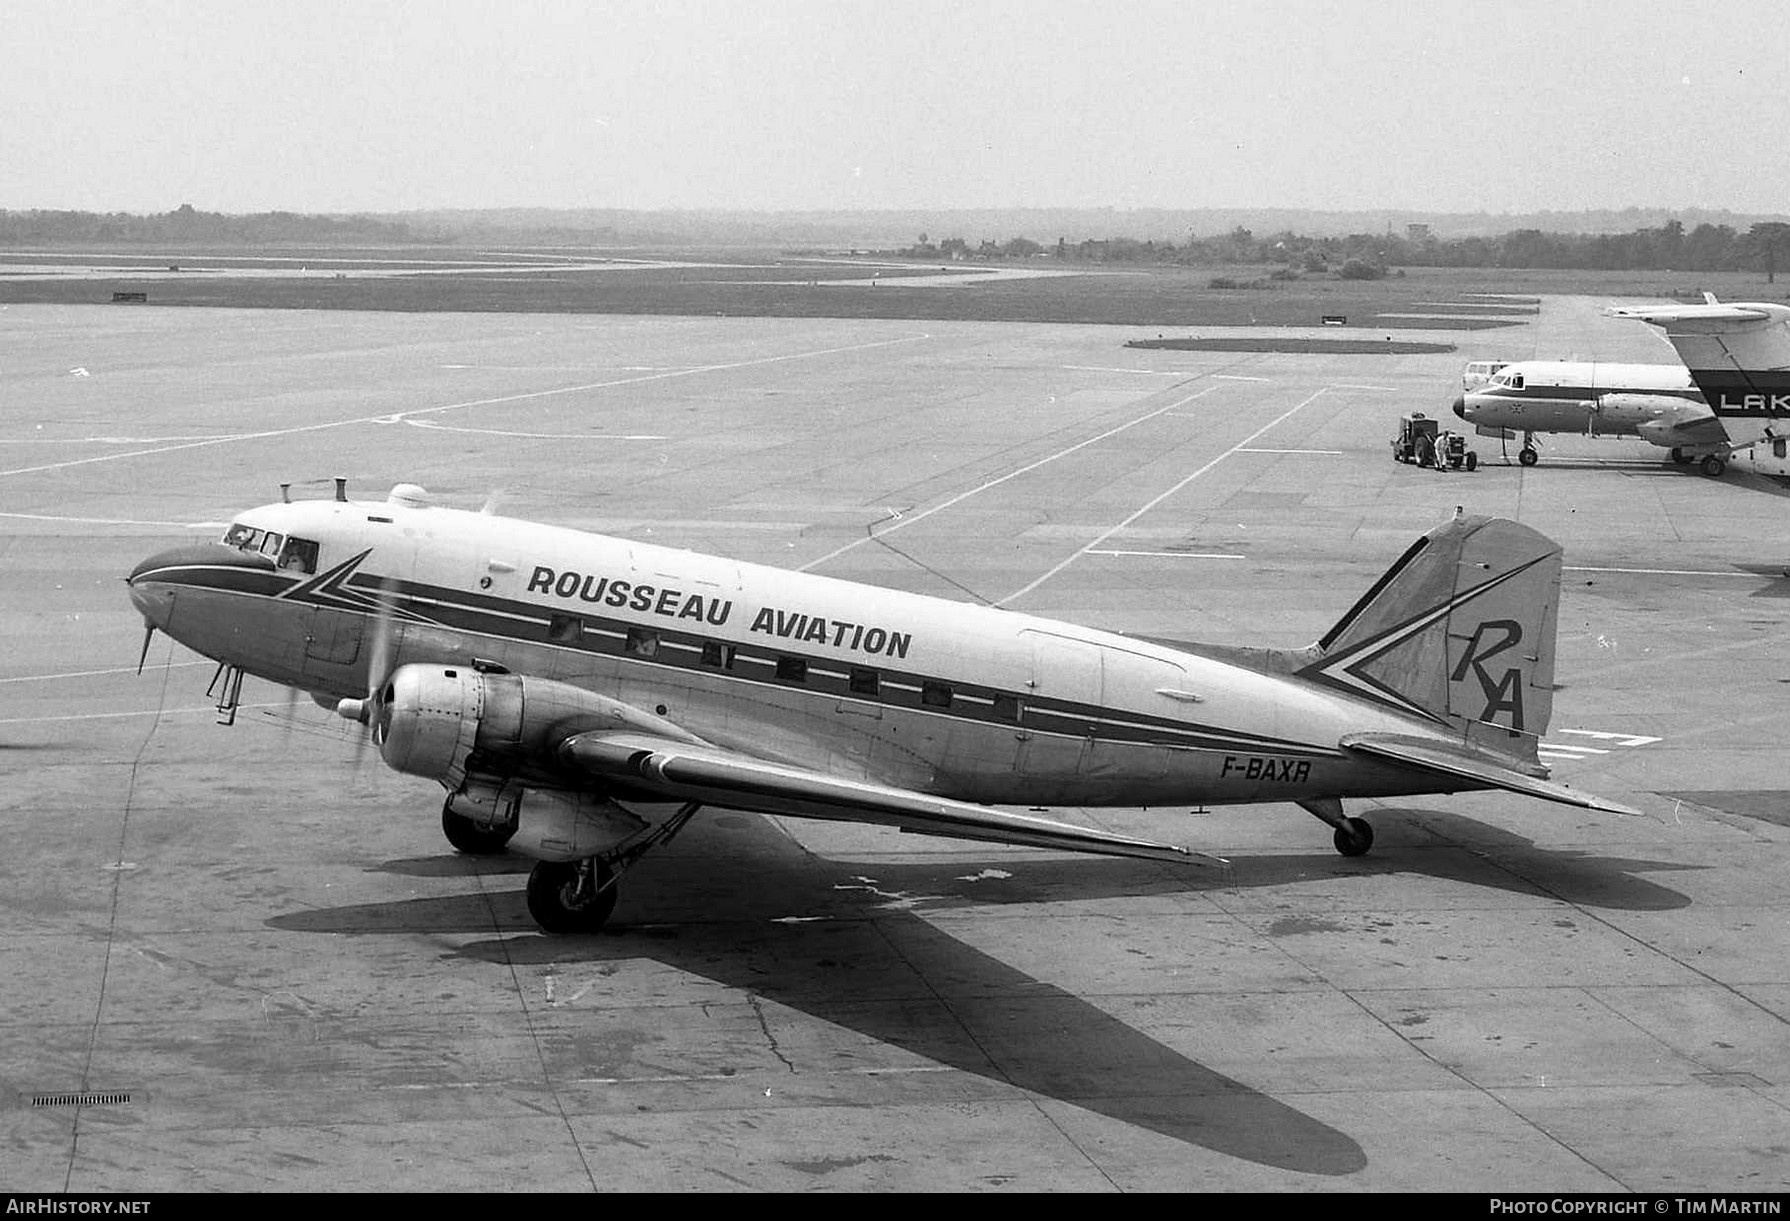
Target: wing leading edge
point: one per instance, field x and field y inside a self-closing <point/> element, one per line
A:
<point x="1430" y="755"/>
<point x="690" y="772"/>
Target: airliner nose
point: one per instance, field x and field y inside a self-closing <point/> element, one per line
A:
<point x="153" y="581"/>
<point x="1460" y="406"/>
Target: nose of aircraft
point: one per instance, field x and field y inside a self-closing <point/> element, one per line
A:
<point x="153" y="581"/>
<point x="1460" y="406"/>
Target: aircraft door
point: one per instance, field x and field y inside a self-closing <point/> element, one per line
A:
<point x="1058" y="719"/>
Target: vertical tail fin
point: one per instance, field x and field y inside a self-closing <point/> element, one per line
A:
<point x="1459" y="631"/>
<point x="1738" y="354"/>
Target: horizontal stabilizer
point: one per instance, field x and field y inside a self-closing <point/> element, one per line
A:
<point x="1476" y="767"/>
<point x="684" y="771"/>
<point x="1710" y="316"/>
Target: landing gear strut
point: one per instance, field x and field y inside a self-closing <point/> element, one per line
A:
<point x="1354" y="836"/>
<point x="571" y="896"/>
<point x="578" y="896"/>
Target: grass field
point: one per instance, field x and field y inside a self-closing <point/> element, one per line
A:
<point x="761" y="284"/>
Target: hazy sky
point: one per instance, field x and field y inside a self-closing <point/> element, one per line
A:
<point x="249" y="105"/>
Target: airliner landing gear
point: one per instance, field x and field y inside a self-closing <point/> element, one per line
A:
<point x="1527" y="455"/>
<point x="1354" y="836"/>
<point x="1713" y="465"/>
<point x="578" y="896"/>
<point x="571" y="896"/>
<point x="468" y="837"/>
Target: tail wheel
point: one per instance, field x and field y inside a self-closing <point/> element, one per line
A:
<point x="1354" y="837"/>
<point x="468" y="837"/>
<point x="571" y="896"/>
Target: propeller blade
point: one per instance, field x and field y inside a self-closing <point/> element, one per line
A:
<point x="148" y="635"/>
<point x="381" y="649"/>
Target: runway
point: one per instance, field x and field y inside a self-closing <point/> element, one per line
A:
<point x="258" y="935"/>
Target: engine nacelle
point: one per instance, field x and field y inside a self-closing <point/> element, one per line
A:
<point x="554" y="825"/>
<point x="1628" y="412"/>
<point x="547" y="824"/>
<point x="443" y="722"/>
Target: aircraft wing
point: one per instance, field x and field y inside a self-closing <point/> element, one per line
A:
<point x="684" y="771"/>
<point x="1430" y="755"/>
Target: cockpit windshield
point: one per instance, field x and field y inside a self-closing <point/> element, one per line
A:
<point x="288" y="552"/>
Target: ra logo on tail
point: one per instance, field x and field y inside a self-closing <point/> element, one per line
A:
<point x="1503" y="693"/>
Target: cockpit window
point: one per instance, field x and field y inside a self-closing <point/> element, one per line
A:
<point x="299" y="554"/>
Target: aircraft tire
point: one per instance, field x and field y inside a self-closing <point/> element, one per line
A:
<point x="1713" y="466"/>
<point x="1527" y="456"/>
<point x="1472" y="461"/>
<point x="550" y="888"/>
<point x="466" y="836"/>
<point x="1354" y="837"/>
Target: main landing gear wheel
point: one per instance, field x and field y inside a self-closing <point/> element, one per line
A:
<point x="468" y="837"/>
<point x="1527" y="456"/>
<point x="1712" y="465"/>
<point x="1354" y="837"/>
<point x="571" y="896"/>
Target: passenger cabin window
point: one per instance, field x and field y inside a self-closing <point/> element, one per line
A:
<point x="865" y="682"/>
<point x="642" y="643"/>
<point x="565" y="629"/>
<point x="792" y="669"/>
<point x="935" y="695"/>
<point x="716" y="654"/>
<point x="1006" y="707"/>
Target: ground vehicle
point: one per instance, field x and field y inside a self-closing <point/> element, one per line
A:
<point x="1479" y="372"/>
<point x="1420" y="441"/>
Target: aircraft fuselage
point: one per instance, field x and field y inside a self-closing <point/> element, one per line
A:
<point x="1584" y="397"/>
<point x="958" y="700"/>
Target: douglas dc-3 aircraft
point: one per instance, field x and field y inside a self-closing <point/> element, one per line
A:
<point x="581" y="697"/>
<point x="1735" y="379"/>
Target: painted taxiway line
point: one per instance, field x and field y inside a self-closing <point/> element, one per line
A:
<point x="117" y="521"/>
<point x="909" y="520"/>
<point x="521" y="397"/>
<point x="50" y="678"/>
<point x="1258" y="450"/>
<point x="106" y="716"/>
<point x="1667" y="572"/>
<point x="1029" y="586"/>
<point x="1115" y="369"/>
<point x="1174" y="555"/>
<point x="536" y="436"/>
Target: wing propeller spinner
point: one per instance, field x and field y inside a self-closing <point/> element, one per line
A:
<point x="714" y="776"/>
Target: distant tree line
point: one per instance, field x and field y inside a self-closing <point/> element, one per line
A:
<point x="186" y="224"/>
<point x="1365" y="255"/>
<point x="1669" y="247"/>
